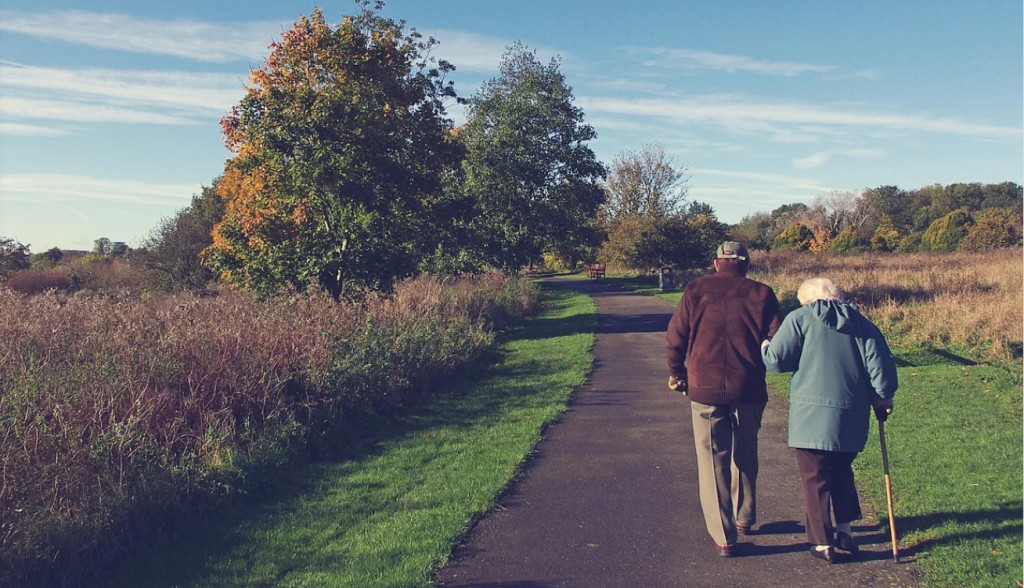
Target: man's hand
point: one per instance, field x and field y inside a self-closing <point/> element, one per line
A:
<point x="883" y="408"/>
<point x="677" y="384"/>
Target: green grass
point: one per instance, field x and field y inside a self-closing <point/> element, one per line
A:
<point x="391" y="514"/>
<point x="954" y="445"/>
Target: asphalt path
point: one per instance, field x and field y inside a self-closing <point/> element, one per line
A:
<point x="609" y="497"/>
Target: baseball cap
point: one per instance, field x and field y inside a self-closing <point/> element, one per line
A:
<point x="732" y="250"/>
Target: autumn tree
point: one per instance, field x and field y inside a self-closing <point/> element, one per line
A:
<point x="529" y="170"/>
<point x="993" y="228"/>
<point x="341" y="149"/>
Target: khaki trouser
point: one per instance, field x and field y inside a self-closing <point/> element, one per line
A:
<point x="726" y="441"/>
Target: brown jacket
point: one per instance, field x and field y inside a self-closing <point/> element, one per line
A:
<point x="714" y="339"/>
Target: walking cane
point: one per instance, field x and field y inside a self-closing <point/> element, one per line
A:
<point x="888" y="492"/>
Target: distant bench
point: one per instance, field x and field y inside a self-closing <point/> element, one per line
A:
<point x="595" y="271"/>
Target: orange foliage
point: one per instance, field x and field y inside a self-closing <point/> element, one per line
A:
<point x="819" y="243"/>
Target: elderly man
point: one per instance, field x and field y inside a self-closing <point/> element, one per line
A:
<point x="713" y="346"/>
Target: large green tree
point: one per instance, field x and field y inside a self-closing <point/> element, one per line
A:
<point x="755" y="229"/>
<point x="529" y="171"/>
<point x="171" y="253"/>
<point x="342" y="147"/>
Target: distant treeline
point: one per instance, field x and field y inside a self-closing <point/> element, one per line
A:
<point x="957" y="217"/>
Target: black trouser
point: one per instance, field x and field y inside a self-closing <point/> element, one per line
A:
<point x="827" y="479"/>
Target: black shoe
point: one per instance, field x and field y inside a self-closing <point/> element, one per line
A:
<point x="847" y="543"/>
<point x="823" y="555"/>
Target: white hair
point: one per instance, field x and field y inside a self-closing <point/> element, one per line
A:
<point x="817" y="289"/>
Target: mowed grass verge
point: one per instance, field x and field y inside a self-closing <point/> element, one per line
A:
<point x="954" y="446"/>
<point x="390" y="515"/>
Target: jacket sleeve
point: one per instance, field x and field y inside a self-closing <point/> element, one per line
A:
<point x="783" y="353"/>
<point x="879" y="362"/>
<point x="774" y="315"/>
<point x="677" y="339"/>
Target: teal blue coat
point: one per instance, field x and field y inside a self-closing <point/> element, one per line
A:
<point x="840" y="363"/>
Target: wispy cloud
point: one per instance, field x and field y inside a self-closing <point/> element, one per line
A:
<point x="112" y="96"/>
<point x="706" y="60"/>
<point x="85" y="112"/>
<point x="481" y="54"/>
<point x="736" y="193"/>
<point x="189" y="39"/>
<point x="74" y="188"/>
<point x="469" y="51"/>
<point x="81" y="214"/>
<point x="792" y="182"/>
<point x="219" y="42"/>
<point x="746" y="114"/>
<point x="811" y="161"/>
<point x="29" y="130"/>
<point x="203" y="92"/>
<point x="822" y="157"/>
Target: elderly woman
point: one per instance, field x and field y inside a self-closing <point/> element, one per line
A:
<point x="842" y="369"/>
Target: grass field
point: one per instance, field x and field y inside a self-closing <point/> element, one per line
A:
<point x="391" y="513"/>
<point x="955" y="439"/>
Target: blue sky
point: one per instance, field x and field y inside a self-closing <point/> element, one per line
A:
<point x="110" y="109"/>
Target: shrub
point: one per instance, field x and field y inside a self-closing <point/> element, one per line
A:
<point x="944" y="234"/>
<point x="88" y="273"/>
<point x="36" y="281"/>
<point x="847" y="242"/>
<point x="994" y="228"/>
<point x="886" y="237"/>
<point x="909" y="243"/>
<point x="796" y="236"/>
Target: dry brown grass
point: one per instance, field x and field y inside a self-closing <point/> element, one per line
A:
<point x="967" y="300"/>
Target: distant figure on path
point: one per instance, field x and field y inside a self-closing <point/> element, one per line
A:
<point x="712" y="346"/>
<point x="842" y="368"/>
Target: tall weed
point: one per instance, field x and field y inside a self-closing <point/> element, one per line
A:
<point x="117" y="411"/>
<point x="970" y="300"/>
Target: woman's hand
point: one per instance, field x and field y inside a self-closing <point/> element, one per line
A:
<point x="883" y="407"/>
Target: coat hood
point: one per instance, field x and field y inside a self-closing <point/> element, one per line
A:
<point x="835" y="314"/>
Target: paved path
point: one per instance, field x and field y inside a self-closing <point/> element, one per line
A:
<point x="610" y="496"/>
